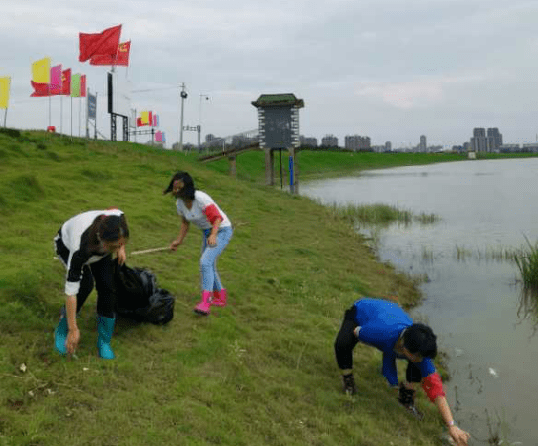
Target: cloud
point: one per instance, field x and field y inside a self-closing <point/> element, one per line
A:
<point x="413" y="94"/>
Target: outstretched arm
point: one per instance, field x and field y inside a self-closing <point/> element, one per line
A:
<point x="459" y="436"/>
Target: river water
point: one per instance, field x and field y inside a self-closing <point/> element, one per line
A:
<point x="472" y="299"/>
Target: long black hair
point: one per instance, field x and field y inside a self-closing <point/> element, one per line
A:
<point x="188" y="189"/>
<point x="107" y="228"/>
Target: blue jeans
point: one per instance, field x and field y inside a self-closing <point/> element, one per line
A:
<point x="209" y="277"/>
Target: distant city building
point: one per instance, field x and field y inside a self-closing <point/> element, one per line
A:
<point x="509" y="148"/>
<point x="529" y="147"/>
<point x="357" y="142"/>
<point x="494" y="139"/>
<point x="388" y="146"/>
<point x="209" y="137"/>
<point x="478" y="143"/>
<point x="308" y="141"/>
<point x="378" y="148"/>
<point x="422" y="143"/>
<point x="330" y="141"/>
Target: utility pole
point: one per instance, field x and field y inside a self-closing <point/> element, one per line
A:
<point x="183" y="95"/>
<point x="207" y="98"/>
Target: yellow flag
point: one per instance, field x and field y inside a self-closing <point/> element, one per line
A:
<point x="144" y="117"/>
<point x="41" y="70"/>
<point x="4" y="92"/>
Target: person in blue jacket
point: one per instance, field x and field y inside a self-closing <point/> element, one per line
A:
<point x="384" y="325"/>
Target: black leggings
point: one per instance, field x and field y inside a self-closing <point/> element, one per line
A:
<point x="102" y="272"/>
<point x="346" y="342"/>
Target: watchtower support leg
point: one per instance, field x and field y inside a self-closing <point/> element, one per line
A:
<point x="269" y="167"/>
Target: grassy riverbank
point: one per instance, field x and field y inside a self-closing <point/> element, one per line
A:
<point x="323" y="164"/>
<point x="260" y="371"/>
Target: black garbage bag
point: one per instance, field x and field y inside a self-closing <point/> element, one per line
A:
<point x="139" y="298"/>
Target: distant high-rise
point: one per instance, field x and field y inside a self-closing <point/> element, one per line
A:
<point x="357" y="142"/>
<point x="388" y="146"/>
<point x="422" y="143"/>
<point x="330" y="141"/>
<point x="478" y="143"/>
<point x="494" y="139"/>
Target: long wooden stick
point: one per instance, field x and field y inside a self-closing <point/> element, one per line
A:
<point x="150" y="250"/>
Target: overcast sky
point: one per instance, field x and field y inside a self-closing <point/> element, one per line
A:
<point x="388" y="69"/>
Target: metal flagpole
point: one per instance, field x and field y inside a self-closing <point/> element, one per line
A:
<point x="87" y="114"/>
<point x="61" y="114"/>
<point x="80" y="109"/>
<point x="71" y="113"/>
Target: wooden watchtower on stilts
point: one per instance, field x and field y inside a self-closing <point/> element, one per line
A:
<point x="278" y="129"/>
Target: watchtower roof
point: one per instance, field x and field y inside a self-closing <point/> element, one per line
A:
<point x="280" y="99"/>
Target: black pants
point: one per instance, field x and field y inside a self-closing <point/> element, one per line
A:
<point x="346" y="342"/>
<point x="100" y="272"/>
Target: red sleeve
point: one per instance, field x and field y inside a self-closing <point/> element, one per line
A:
<point x="433" y="386"/>
<point x="212" y="213"/>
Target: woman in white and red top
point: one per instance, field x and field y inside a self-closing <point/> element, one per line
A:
<point x="199" y="208"/>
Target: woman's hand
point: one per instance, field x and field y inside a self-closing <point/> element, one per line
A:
<point x="121" y="255"/>
<point x="460" y="437"/>
<point x="72" y="342"/>
<point x="212" y="240"/>
<point x="174" y="245"/>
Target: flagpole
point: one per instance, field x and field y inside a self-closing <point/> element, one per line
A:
<point x="61" y="114"/>
<point x="71" y="113"/>
<point x="87" y="123"/>
<point x="50" y="102"/>
<point x="95" y="119"/>
<point x="80" y="108"/>
<point x="5" y="117"/>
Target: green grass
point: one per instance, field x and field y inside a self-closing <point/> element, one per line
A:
<point x="378" y="213"/>
<point x="527" y="264"/>
<point x="260" y="371"/>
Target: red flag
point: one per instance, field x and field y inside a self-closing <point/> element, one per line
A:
<point x="40" y="89"/>
<point x="104" y="43"/>
<point x="120" y="58"/>
<point x="83" y="86"/>
<point x="139" y="122"/>
<point x="66" y="82"/>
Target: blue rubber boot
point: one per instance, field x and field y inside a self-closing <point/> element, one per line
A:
<point x="60" y="334"/>
<point x="105" y="328"/>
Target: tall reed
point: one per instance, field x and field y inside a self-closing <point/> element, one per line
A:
<point x="527" y="264"/>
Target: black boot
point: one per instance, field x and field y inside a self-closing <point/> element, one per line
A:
<point x="406" y="399"/>
<point x="349" y="386"/>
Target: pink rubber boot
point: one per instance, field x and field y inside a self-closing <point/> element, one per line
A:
<point x="219" y="298"/>
<point x="203" y="308"/>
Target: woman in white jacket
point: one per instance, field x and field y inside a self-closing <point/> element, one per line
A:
<point x="85" y="245"/>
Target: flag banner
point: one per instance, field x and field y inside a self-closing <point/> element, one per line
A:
<point x="104" y="43"/>
<point x="155" y="120"/>
<point x="55" y="86"/>
<point x="92" y="106"/>
<point x="75" y="85"/>
<point x="144" y="118"/>
<point x="40" y="89"/>
<point x="66" y="82"/>
<point x="4" y="92"/>
<point x="139" y="122"/>
<point x="83" y="86"/>
<point x="41" y="71"/>
<point x="150" y="118"/>
<point x="160" y="136"/>
<point x="120" y="58"/>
